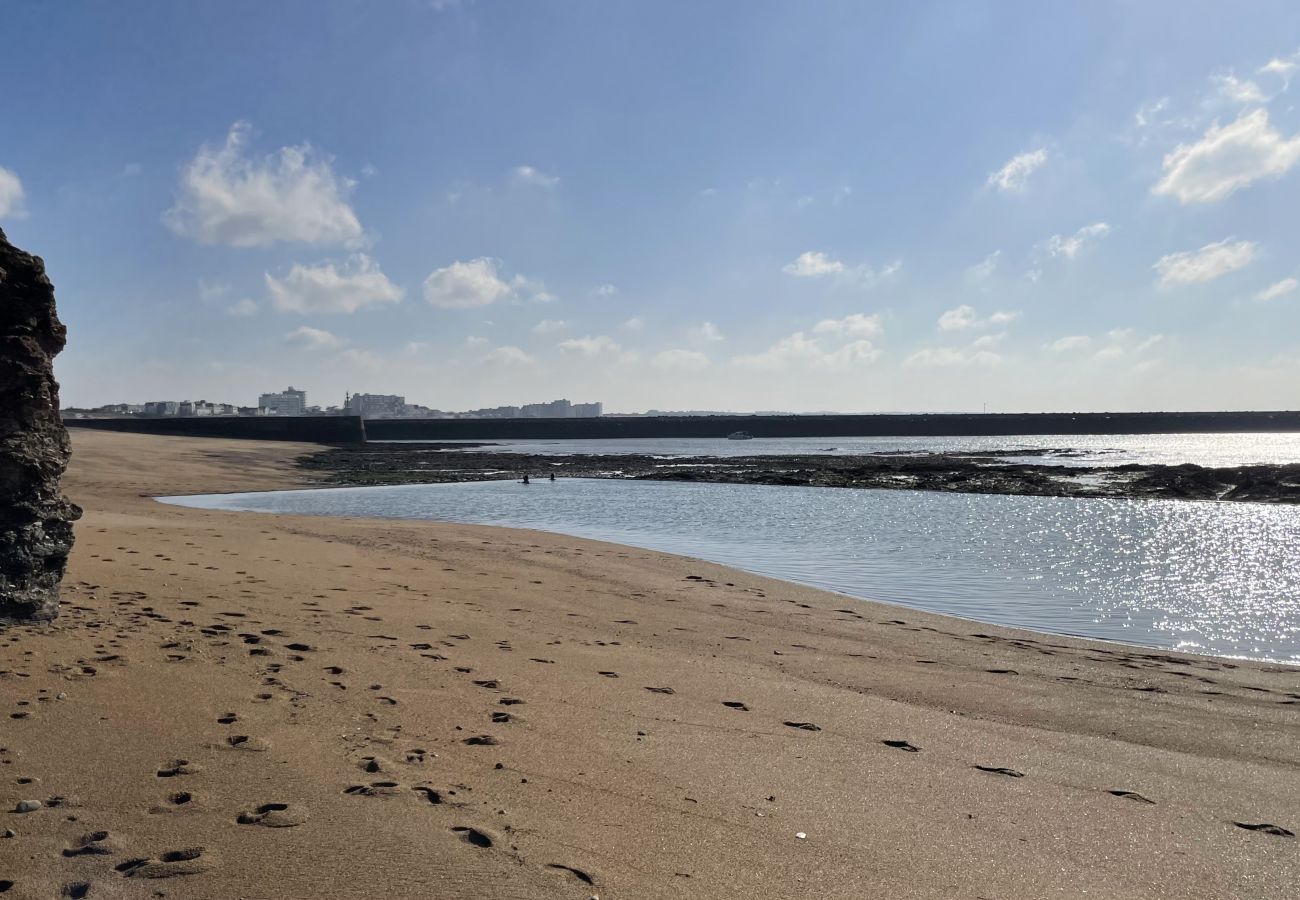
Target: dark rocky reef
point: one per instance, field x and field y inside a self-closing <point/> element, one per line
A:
<point x="35" y="519"/>
<point x="986" y="472"/>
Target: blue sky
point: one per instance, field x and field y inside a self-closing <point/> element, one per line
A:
<point x="761" y="205"/>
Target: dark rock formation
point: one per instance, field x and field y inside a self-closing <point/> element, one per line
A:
<point x="35" y="519"/>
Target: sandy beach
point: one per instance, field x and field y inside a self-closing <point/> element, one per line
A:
<point x="247" y="706"/>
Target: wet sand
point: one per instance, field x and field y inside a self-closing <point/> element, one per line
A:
<point x="238" y="705"/>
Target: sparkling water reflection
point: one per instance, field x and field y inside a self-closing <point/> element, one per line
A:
<point x="1219" y="578"/>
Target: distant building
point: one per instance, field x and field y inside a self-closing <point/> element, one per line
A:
<point x="588" y="410"/>
<point x="161" y="408"/>
<point x="288" y="402"/>
<point x="377" y="406"/>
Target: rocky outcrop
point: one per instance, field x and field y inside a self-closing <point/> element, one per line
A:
<point x="35" y="519"/>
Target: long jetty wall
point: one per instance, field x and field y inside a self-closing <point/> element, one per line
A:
<point x="928" y="425"/>
<point x="309" y="429"/>
<point x="351" y="429"/>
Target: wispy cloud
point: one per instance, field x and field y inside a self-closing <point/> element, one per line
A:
<point x="1280" y="289"/>
<point x="1226" y="159"/>
<point x="1206" y="264"/>
<point x="1013" y="177"/>
<point x="527" y="175"/>
<point x="964" y="318"/>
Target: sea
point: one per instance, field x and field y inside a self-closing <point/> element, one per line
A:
<point x="1201" y="577"/>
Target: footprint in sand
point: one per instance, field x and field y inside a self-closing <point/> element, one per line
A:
<point x="179" y="803"/>
<point x="374" y="789"/>
<point x="902" y="745"/>
<point x="1000" y="770"/>
<point x="805" y="726"/>
<point x="173" y="863"/>
<point x="176" y="767"/>
<point x="576" y="873"/>
<point x="735" y="704"/>
<point x="274" y="815"/>
<point x="434" y="797"/>
<point x="95" y="843"/>
<point x="661" y="690"/>
<point x="481" y="740"/>
<point x="245" y="742"/>
<point x="608" y="674"/>
<point x="1132" y="795"/>
<point x="1266" y="828"/>
<point x="474" y="836"/>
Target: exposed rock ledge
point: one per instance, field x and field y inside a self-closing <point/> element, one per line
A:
<point x="971" y="473"/>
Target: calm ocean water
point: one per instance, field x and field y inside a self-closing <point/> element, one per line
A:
<point x="1220" y="578"/>
<point x="1108" y="449"/>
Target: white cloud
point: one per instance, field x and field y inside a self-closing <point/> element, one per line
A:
<point x="329" y="288"/>
<point x="947" y="357"/>
<point x="813" y="264"/>
<point x="965" y="317"/>
<point x="1013" y="177"/>
<point x="1206" y="264"/>
<point x="1282" y="67"/>
<point x="228" y="197"/>
<point x="313" y="338"/>
<point x="604" y="290"/>
<point x="550" y="326"/>
<point x="527" y="175"/>
<point x="464" y="285"/>
<point x="989" y="340"/>
<point x="799" y="349"/>
<point x="533" y="287"/>
<point x="982" y="271"/>
<point x="683" y="360"/>
<point x="11" y="195"/>
<point x="1226" y="159"/>
<point x="636" y="323"/>
<point x="707" y="332"/>
<point x="507" y="356"/>
<point x="589" y="346"/>
<point x="1237" y="90"/>
<point x="855" y="325"/>
<point x="242" y="308"/>
<point x="1281" y="289"/>
<point x="1070" y="246"/>
<point x="1073" y="342"/>
<point x="475" y="341"/>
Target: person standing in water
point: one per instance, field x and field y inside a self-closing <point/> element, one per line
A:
<point x="526" y="478"/>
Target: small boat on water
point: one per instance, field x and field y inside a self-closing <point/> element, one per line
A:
<point x="740" y="436"/>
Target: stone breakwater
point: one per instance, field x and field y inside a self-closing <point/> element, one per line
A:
<point x="971" y="473"/>
<point x="35" y="519"/>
